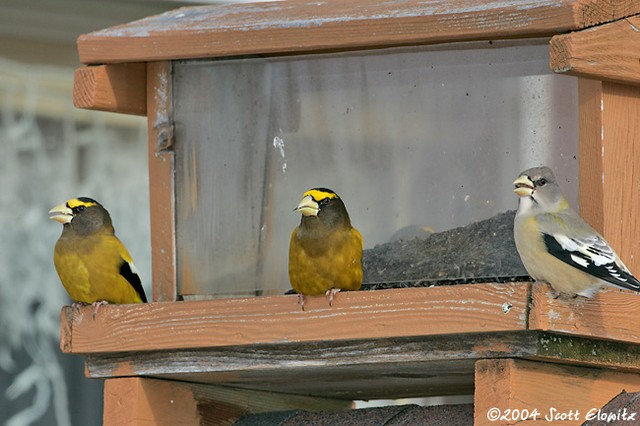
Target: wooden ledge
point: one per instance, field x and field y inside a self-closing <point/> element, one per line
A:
<point x="611" y="314"/>
<point x="277" y="319"/>
<point x="280" y="27"/>
<point x="473" y="308"/>
<point x="369" y="344"/>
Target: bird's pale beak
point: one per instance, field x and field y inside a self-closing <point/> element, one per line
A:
<point x="524" y="186"/>
<point x="61" y="213"/>
<point x="308" y="207"/>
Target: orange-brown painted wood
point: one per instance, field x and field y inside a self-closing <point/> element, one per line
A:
<point x="565" y="394"/>
<point x="370" y="344"/>
<point x="115" y="88"/>
<point x="610" y="314"/>
<point x="621" y="157"/>
<point x="276" y="319"/>
<point x="385" y="368"/>
<point x="609" y="159"/>
<point x="590" y="152"/>
<point x="161" y="181"/>
<point x="301" y="26"/>
<point x="135" y="400"/>
<point x="345" y="369"/>
<point x="130" y="401"/>
<point x="607" y="52"/>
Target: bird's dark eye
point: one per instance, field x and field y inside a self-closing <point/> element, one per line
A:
<point x="324" y="201"/>
<point x="541" y="182"/>
<point x="79" y="209"/>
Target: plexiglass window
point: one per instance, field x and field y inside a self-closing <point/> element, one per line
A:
<point x="432" y="136"/>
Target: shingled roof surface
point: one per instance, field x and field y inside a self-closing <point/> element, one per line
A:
<point x="624" y="409"/>
<point x="452" y="415"/>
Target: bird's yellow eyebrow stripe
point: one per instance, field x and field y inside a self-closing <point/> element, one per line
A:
<point x="72" y="204"/>
<point x="319" y="195"/>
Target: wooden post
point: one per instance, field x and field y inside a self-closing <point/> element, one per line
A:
<point x="509" y="391"/>
<point x="151" y="402"/>
<point x="161" y="181"/>
<point x="609" y="153"/>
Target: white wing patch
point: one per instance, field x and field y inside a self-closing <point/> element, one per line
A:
<point x="580" y="261"/>
<point x="567" y="243"/>
<point x="593" y="247"/>
<point x="614" y="273"/>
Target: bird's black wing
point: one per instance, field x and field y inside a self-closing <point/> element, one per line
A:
<point x="594" y="257"/>
<point x="132" y="276"/>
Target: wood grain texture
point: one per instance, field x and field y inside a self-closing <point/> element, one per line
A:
<point x="609" y="155"/>
<point x="66" y="332"/>
<point x="161" y="181"/>
<point x="303" y="26"/>
<point x="608" y="52"/>
<point x="621" y="157"/>
<point x="611" y="314"/>
<point x="590" y="149"/>
<point x="524" y="385"/>
<point x="115" y="88"/>
<point x="354" y="315"/>
<point x="163" y="402"/>
<point x="362" y="369"/>
<point x="378" y="381"/>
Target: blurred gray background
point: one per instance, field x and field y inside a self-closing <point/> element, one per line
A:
<point x="50" y="152"/>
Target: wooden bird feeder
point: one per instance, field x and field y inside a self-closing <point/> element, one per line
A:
<point x="250" y="105"/>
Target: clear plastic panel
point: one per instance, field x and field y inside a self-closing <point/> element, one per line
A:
<point x="428" y="135"/>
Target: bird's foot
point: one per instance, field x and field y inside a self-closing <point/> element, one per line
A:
<point x="554" y="293"/>
<point x="77" y="307"/>
<point x="331" y="294"/>
<point x="301" y="300"/>
<point x="96" y="307"/>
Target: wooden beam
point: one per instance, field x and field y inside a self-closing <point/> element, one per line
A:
<point x="273" y="319"/>
<point x="164" y="402"/>
<point x="115" y="88"/>
<point x="279" y="27"/>
<point x="611" y="314"/>
<point x="609" y="155"/>
<point x="342" y="369"/>
<point x="561" y="395"/>
<point x="363" y="369"/>
<point x="608" y="52"/>
<point x="161" y="182"/>
<point x="560" y="348"/>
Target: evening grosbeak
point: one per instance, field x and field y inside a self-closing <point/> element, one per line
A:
<point x="557" y="246"/>
<point x="325" y="251"/>
<point x="93" y="265"/>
